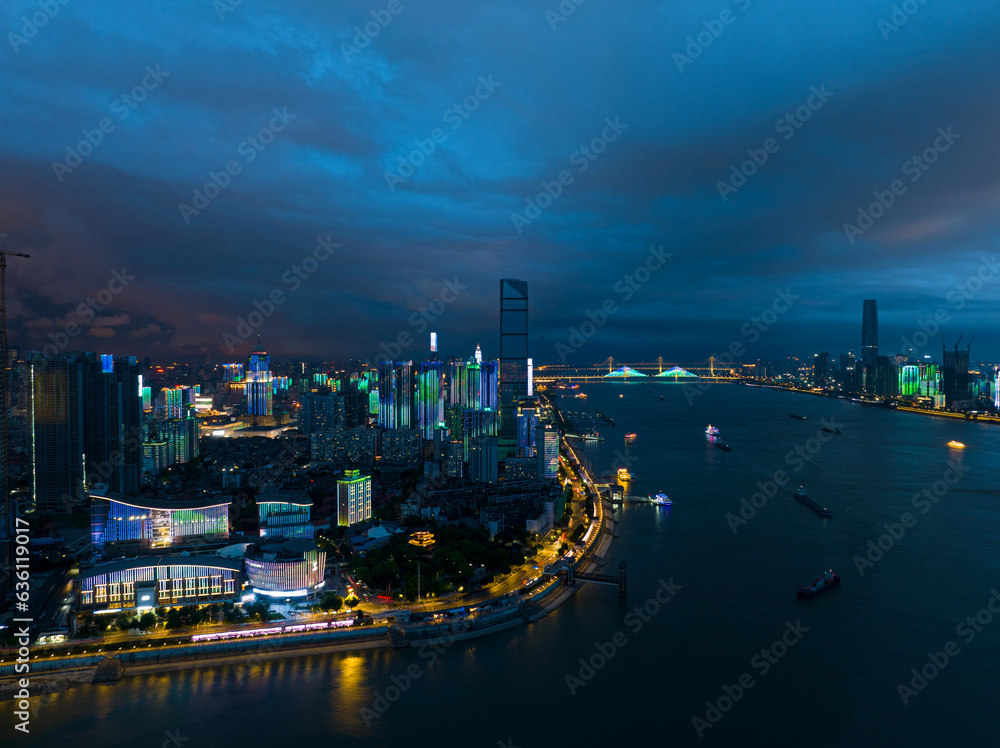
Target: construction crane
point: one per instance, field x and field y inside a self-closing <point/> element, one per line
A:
<point x="8" y="514"/>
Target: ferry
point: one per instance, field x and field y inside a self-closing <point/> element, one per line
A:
<point x="630" y="437"/>
<point x="623" y="475"/>
<point x="712" y="431"/>
<point x="956" y="445"/>
<point x="825" y="582"/>
<point x="662" y="500"/>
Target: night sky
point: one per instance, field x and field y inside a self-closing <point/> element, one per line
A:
<point x="414" y="150"/>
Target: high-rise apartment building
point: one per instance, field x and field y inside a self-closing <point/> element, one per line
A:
<point x="354" y="498"/>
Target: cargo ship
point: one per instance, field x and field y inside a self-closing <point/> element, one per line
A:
<point x="822" y="511"/>
<point x="824" y="583"/>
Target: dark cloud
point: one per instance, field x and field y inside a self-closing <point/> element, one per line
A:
<point x="183" y="93"/>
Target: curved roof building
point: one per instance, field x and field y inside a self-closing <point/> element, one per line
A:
<point x="286" y="568"/>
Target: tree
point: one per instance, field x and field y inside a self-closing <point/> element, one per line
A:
<point x="352" y="601"/>
<point x="332" y="602"/>
<point x="148" y="621"/>
<point x="174" y="618"/>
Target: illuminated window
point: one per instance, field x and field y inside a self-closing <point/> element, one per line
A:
<point x="128" y="591"/>
<point x="164" y="590"/>
<point x="178" y="588"/>
<point x="216" y="585"/>
<point x="230" y="588"/>
<point x="202" y="586"/>
<point x="115" y="594"/>
<point x="101" y="593"/>
<point x="88" y="597"/>
<point x="189" y="585"/>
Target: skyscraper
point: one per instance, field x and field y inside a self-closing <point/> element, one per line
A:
<point x="821" y="369"/>
<point x="85" y="426"/>
<point x="354" y="498"/>
<point x="513" y="359"/>
<point x="956" y="382"/>
<point x="869" y="344"/>
<point x="258" y="385"/>
<point x="430" y="397"/>
<point x="395" y="394"/>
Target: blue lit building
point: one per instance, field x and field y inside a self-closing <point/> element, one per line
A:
<point x="164" y="581"/>
<point x="123" y="524"/>
<point x="259" y="387"/>
<point x="430" y="397"/>
<point x="395" y="395"/>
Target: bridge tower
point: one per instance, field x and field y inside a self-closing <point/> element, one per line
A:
<point x="711" y="364"/>
<point x="659" y="361"/>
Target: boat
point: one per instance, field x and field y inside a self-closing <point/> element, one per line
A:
<point x="828" y="430"/>
<point x="825" y="582"/>
<point x="723" y="446"/>
<point x="662" y="500"/>
<point x="623" y="475"/>
<point x="630" y="437"/>
<point x="663" y="398"/>
<point x="712" y="431"/>
<point x="801" y="418"/>
<point x="803" y="497"/>
<point x="593" y="436"/>
<point x="956" y="445"/>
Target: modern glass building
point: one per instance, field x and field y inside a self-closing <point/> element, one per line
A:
<point x="162" y="581"/>
<point x="547" y="445"/>
<point x="289" y="568"/>
<point x="430" y="397"/>
<point x="395" y="395"/>
<point x="354" y="498"/>
<point x="85" y="425"/>
<point x="284" y="516"/>
<point x="513" y="358"/>
<point x="122" y="524"/>
<point x="259" y="387"/>
<point x="869" y="343"/>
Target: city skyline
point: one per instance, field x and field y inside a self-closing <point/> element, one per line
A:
<point x="772" y="181"/>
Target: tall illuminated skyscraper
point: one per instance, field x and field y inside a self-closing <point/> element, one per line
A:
<point x="869" y="344"/>
<point x="395" y="395"/>
<point x="258" y="385"/>
<point x="85" y="426"/>
<point x="430" y="397"/>
<point x="513" y="359"/>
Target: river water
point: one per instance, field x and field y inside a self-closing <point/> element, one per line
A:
<point x="776" y="670"/>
